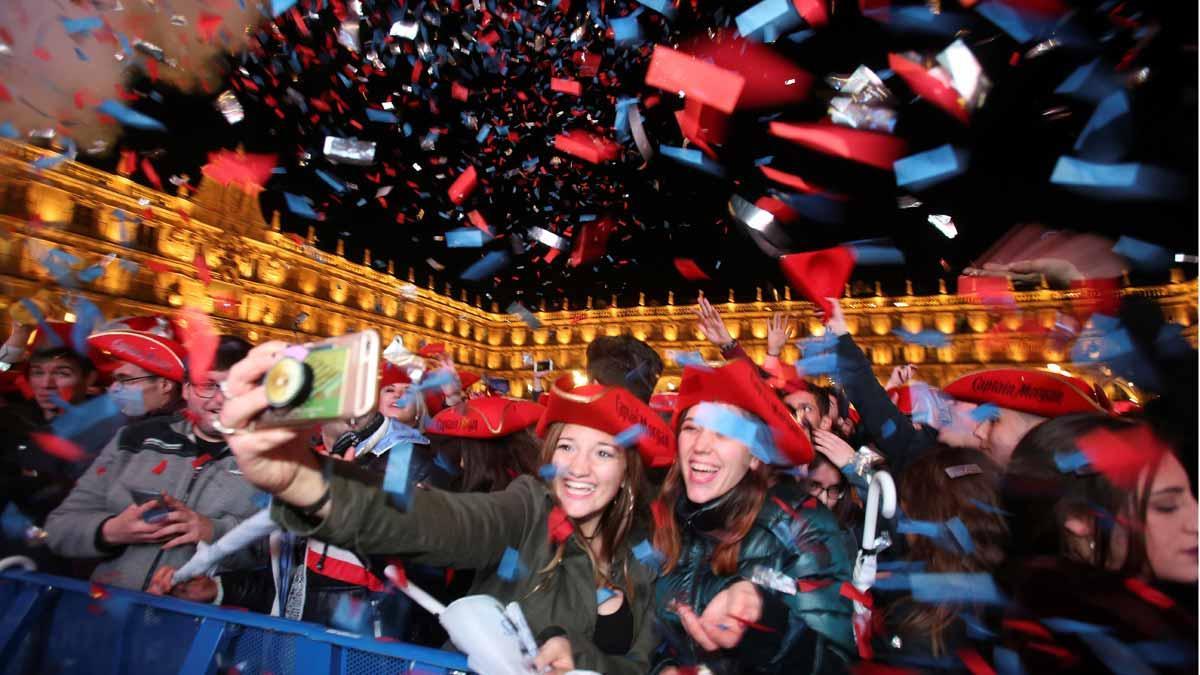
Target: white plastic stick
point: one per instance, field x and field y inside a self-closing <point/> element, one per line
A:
<point x="413" y="591"/>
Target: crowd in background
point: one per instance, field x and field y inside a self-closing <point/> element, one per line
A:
<point x="716" y="526"/>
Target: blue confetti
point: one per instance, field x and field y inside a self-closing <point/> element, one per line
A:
<point x="1091" y="82"/>
<point x="1115" y="181"/>
<point x="301" y="206"/>
<point x="1109" y="131"/>
<point x="603" y="594"/>
<point x="923" y="528"/>
<point x="768" y="20"/>
<point x="86" y="24"/>
<point x="693" y="158"/>
<point x="753" y="434"/>
<point x="986" y="412"/>
<point x="955" y="587"/>
<point x="975" y="628"/>
<point x="926" y="169"/>
<point x="381" y="116"/>
<point x="93" y="422"/>
<point x="1167" y="653"/>
<point x="81" y="55"/>
<point x="466" y="237"/>
<point x="7" y="130"/>
<point x="128" y="116"/>
<point x="988" y="508"/>
<point x="526" y="315"/>
<point x="888" y="428"/>
<point x="685" y="359"/>
<point x="1071" y="626"/>
<point x="1144" y="255"/>
<point x="499" y="385"/>
<point x="663" y="7"/>
<point x="649" y="556"/>
<point x="548" y="472"/>
<point x="87" y="318"/>
<point x="630" y="436"/>
<point x="13" y="524"/>
<point x="877" y="255"/>
<point x="332" y="182"/>
<point x="917" y="20"/>
<point x="510" y="568"/>
<point x="396" y="479"/>
<point x="261" y="500"/>
<point x="1116" y="655"/>
<point x="819" y="364"/>
<point x="1071" y="462"/>
<point x="1007" y="662"/>
<point x="131" y="401"/>
<point x="961" y="535"/>
<point x="626" y="30"/>
<point x="486" y="266"/>
<point x="926" y="338"/>
<point x="443" y="463"/>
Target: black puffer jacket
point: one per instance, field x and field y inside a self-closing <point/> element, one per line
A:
<point x="810" y="631"/>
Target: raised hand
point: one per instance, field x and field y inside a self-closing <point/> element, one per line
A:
<point x="711" y="324"/>
<point x="779" y="329"/>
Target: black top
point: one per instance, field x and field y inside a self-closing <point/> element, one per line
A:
<point x="614" y="632"/>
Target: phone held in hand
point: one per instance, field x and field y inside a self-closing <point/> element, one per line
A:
<point x="155" y="514"/>
<point x="332" y="379"/>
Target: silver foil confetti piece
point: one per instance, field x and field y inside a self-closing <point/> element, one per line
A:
<point x="349" y="151"/>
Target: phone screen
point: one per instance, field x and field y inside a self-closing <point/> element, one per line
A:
<point x="329" y="369"/>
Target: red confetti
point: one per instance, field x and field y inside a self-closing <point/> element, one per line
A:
<point x="250" y="172"/>
<point x="200" y="339"/>
<point x="58" y="447"/>
<point x="157" y="267"/>
<point x="868" y="147"/>
<point x="464" y="185"/>
<point x="862" y="597"/>
<point x="202" y="271"/>
<point x="810" y="585"/>
<point x="559" y="525"/>
<point x="1030" y="627"/>
<point x="1121" y="456"/>
<point x="566" y="86"/>
<point x="756" y="626"/>
<point x="5" y="96"/>
<point x="201" y="460"/>
<point x="101" y="470"/>
<point x="590" y="147"/>
<point x="689" y="270"/>
<point x="128" y="162"/>
<point x="97" y="592"/>
<point x="709" y="84"/>
<point x="151" y="174"/>
<point x="1149" y="593"/>
<point x="929" y="87"/>
<point x="161" y="467"/>
<point x="974" y="662"/>
<point x="207" y="24"/>
<point x="819" y="275"/>
<point x="459" y="92"/>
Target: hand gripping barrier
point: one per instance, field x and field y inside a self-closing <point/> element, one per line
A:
<point x="51" y="624"/>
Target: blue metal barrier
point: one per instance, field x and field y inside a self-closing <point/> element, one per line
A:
<point x="51" y="624"/>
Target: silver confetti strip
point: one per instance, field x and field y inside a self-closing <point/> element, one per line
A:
<point x="966" y="75"/>
<point x="404" y="29"/>
<point x="862" y="86"/>
<point x="349" y="151"/>
<point x="843" y="111"/>
<point x="548" y="238"/>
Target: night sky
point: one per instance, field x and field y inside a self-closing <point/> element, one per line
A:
<point x="668" y="211"/>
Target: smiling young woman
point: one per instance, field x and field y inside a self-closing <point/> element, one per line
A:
<point x="585" y="596"/>
<point x="724" y="520"/>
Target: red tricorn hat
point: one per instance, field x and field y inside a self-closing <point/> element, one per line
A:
<point x="819" y="275"/>
<point x="393" y="374"/>
<point x="486" y="417"/>
<point x="737" y="383"/>
<point x="1037" y="392"/>
<point x="611" y="410"/>
<point x="664" y="401"/>
<point x="435" y="399"/>
<point x="148" y="342"/>
<point x="432" y="349"/>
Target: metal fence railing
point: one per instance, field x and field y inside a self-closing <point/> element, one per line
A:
<point x="51" y="624"/>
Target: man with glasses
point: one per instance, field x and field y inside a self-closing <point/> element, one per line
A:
<point x="151" y="362"/>
<point x="162" y="485"/>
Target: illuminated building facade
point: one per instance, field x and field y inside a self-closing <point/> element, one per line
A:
<point x="264" y="284"/>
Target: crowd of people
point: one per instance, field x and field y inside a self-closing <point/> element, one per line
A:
<point x="711" y="529"/>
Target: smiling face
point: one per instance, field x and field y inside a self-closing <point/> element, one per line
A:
<point x="711" y="464"/>
<point x="590" y="468"/>
<point x="407" y="412"/>
<point x="1171" y="537"/>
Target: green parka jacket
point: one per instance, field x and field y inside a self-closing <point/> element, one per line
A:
<point x="473" y="531"/>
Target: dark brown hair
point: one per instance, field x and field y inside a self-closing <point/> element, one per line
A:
<point x="627" y="512"/>
<point x="929" y="493"/>
<point x="845" y="509"/>
<point x="488" y="464"/>
<point x="1041" y="497"/>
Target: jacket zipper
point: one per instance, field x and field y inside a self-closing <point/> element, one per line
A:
<point x="186" y="493"/>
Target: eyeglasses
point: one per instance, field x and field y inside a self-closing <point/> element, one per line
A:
<point x="206" y="389"/>
<point x="120" y="383"/>
<point x="834" y="492"/>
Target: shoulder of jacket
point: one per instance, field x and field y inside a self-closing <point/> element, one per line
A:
<point x="787" y="501"/>
<point x="162" y="432"/>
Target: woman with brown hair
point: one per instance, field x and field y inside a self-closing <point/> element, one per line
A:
<point x="562" y="548"/>
<point x="753" y="571"/>
<point x="1104" y="531"/>
<point x="954" y="492"/>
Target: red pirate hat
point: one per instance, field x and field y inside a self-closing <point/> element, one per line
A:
<point x="664" y="402"/>
<point x="486" y="417"/>
<point x="819" y="275"/>
<point x="902" y="397"/>
<point x="149" y="342"/>
<point x="611" y="410"/>
<point x="393" y="374"/>
<point x="435" y="399"/>
<point x="737" y="383"/>
<point x="1037" y="392"/>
